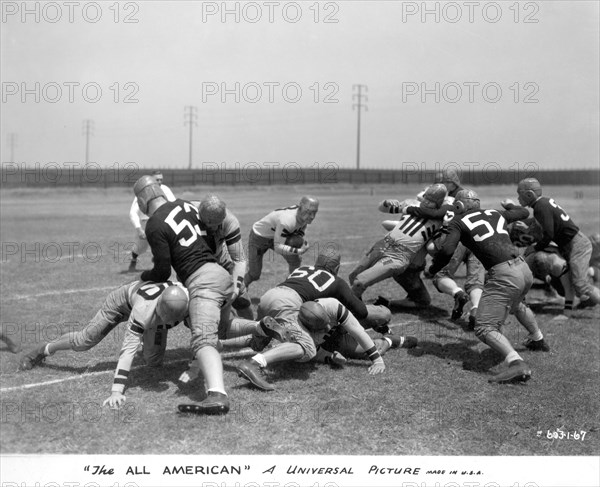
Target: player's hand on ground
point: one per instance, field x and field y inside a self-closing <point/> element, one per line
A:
<point x="507" y="202"/>
<point x="141" y="233"/>
<point x="377" y="368"/>
<point x="115" y="401"/>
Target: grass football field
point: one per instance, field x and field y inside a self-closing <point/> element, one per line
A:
<point x="63" y="250"/>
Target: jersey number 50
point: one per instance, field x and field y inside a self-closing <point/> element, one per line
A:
<point x="319" y="278"/>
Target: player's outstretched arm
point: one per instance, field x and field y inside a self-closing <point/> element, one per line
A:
<point x="131" y="342"/>
<point x="390" y="206"/>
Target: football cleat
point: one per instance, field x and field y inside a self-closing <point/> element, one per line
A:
<point x="518" y="371"/>
<point x="381" y="301"/>
<point x="472" y="322"/>
<point x="536" y="345"/>
<point x="336" y="360"/>
<point x="250" y="371"/>
<point x="460" y="299"/>
<point x="34" y="357"/>
<point x="272" y="329"/>
<point x="214" y="404"/>
<point x="588" y="303"/>
<point x="409" y="342"/>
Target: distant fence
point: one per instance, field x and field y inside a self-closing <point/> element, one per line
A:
<point x="15" y="175"/>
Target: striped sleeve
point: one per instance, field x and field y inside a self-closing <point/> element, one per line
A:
<point x="131" y="342"/>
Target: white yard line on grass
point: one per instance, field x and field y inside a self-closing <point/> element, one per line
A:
<point x="244" y="352"/>
<point x="64" y="291"/>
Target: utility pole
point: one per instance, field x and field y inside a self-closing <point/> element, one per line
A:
<point x="88" y="127"/>
<point x="11" y="140"/>
<point x="360" y="106"/>
<point x="189" y="117"/>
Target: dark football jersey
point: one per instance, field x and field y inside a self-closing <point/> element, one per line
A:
<point x="177" y="238"/>
<point x="312" y="283"/>
<point x="485" y="233"/>
<point x="555" y="222"/>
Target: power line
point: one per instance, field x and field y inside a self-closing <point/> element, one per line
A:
<point x="360" y="106"/>
<point x="88" y="127"/>
<point x="190" y="116"/>
<point x="11" y="140"/>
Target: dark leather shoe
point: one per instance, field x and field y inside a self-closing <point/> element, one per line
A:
<point x="215" y="403"/>
<point x="517" y="371"/>
<point x="250" y="371"/>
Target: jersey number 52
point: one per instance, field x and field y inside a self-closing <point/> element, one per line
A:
<point x="481" y="227"/>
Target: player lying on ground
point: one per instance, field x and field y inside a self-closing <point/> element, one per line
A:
<point x="149" y="309"/>
<point x="338" y="334"/>
<point x="485" y="233"/>
<point x="283" y="302"/>
<point x="392" y="255"/>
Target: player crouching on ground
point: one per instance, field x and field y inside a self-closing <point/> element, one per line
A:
<point x="171" y="307"/>
<point x="557" y="226"/>
<point x="149" y="308"/>
<point x="338" y="335"/>
<point x="485" y="233"/>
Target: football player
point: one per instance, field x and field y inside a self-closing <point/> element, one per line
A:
<point x="444" y="280"/>
<point x="546" y="265"/>
<point x="485" y="233"/>
<point x="222" y="226"/>
<point x="283" y="302"/>
<point x="271" y="232"/>
<point x="392" y="255"/>
<point x="338" y="334"/>
<point x="558" y="227"/>
<point x="171" y="307"/>
<point x="138" y="220"/>
<point x="177" y="238"/>
<point x="148" y="309"/>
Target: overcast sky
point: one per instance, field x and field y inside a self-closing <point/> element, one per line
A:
<point x="516" y="83"/>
